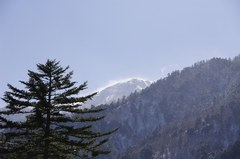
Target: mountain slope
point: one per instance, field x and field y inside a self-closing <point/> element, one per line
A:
<point x="206" y="135"/>
<point x="171" y="106"/>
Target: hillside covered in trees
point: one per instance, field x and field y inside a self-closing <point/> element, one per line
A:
<point x="192" y="113"/>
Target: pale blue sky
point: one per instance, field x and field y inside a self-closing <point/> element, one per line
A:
<point x="105" y="40"/>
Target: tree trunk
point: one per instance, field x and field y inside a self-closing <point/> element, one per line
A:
<point x="47" y="130"/>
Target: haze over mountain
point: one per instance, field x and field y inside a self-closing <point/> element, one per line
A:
<point x="191" y="114"/>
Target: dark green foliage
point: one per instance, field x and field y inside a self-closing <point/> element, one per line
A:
<point x="55" y="125"/>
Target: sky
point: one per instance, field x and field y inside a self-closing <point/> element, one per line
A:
<point x="109" y="40"/>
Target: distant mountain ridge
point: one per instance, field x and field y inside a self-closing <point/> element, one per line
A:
<point x="119" y="90"/>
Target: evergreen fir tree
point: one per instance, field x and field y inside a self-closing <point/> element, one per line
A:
<point x="56" y="126"/>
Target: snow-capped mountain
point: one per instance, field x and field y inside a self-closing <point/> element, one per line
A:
<point x="118" y="90"/>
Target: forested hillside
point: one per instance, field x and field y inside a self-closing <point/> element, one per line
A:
<point x="192" y="113"/>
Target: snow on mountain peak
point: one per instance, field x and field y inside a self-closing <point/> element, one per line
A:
<point x="134" y="80"/>
<point x="118" y="89"/>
